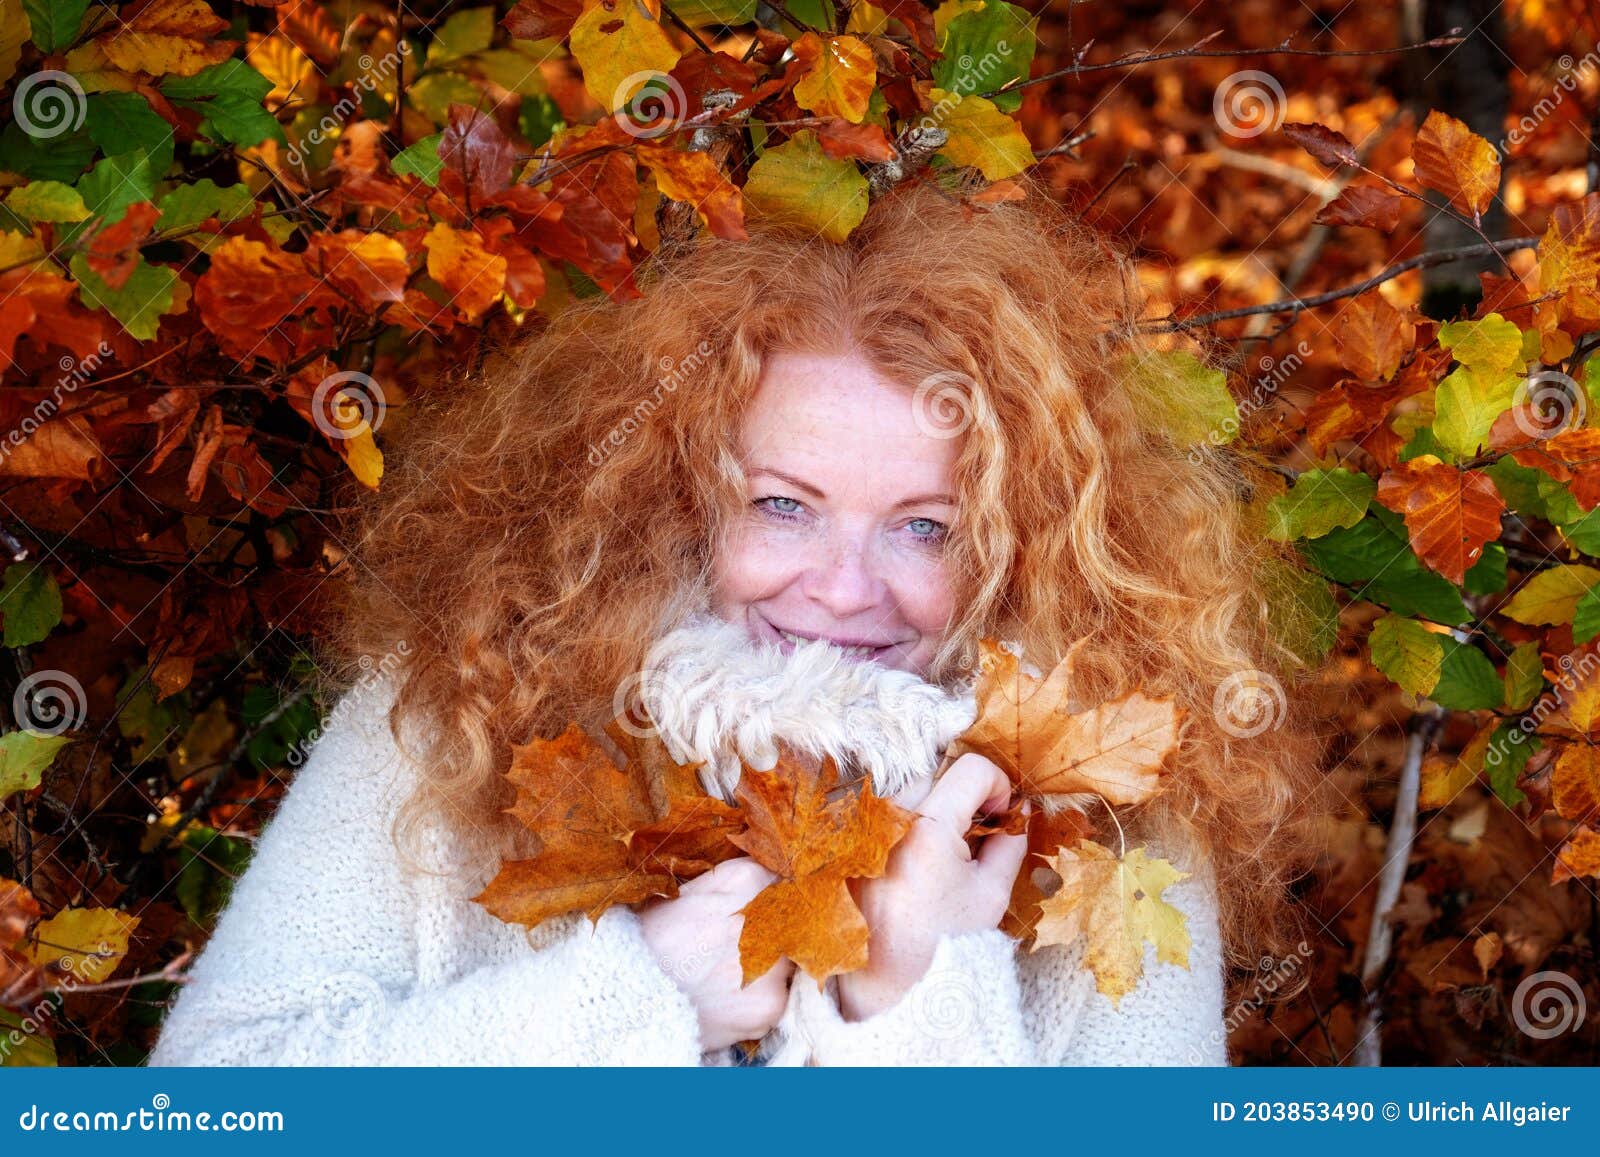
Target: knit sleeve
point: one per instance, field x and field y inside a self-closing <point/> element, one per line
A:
<point x="986" y="1001"/>
<point x="964" y="1011"/>
<point x="328" y="953"/>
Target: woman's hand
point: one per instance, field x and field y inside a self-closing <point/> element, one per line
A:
<point x="934" y="887"/>
<point x="695" y="938"/>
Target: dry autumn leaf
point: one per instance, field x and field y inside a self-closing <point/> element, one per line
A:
<point x="608" y="835"/>
<point x="815" y="846"/>
<point x="1459" y="163"/>
<point x="1114" y="905"/>
<point x="1116" y="749"/>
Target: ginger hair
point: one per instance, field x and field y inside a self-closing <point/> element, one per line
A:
<point x="527" y="556"/>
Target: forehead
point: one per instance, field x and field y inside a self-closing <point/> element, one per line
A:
<point x="833" y="417"/>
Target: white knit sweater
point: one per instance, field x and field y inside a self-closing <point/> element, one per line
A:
<point x="330" y="952"/>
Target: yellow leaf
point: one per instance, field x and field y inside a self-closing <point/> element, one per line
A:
<point x="363" y="457"/>
<point x="85" y="944"/>
<point x="1443" y="779"/>
<point x="169" y="38"/>
<point x="1115" y="906"/>
<point x="797" y="183"/>
<point x="839" y="76"/>
<point x="1552" y="595"/>
<point x="1490" y="344"/>
<point x="619" y="47"/>
<point x="14" y="33"/>
<point x="981" y="136"/>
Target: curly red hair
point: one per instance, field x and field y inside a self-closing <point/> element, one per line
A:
<point x="541" y="524"/>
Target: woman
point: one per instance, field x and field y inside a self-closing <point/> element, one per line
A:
<point x="778" y="499"/>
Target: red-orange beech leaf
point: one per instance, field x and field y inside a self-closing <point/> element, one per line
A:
<point x="1453" y="159"/>
<point x="1450" y="514"/>
<point x="1373" y="336"/>
<point x="113" y="252"/>
<point x="814" y="845"/>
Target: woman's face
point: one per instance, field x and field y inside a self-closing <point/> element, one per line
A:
<point x="850" y="500"/>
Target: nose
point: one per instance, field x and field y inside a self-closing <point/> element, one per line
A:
<point x="844" y="576"/>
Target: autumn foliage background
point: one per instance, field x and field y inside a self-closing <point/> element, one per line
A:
<point x="237" y="239"/>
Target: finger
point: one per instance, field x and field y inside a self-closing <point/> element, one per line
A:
<point x="741" y="876"/>
<point x="1000" y="859"/>
<point x="971" y="783"/>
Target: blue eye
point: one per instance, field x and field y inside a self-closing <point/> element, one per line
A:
<point x="784" y="512"/>
<point x="928" y="528"/>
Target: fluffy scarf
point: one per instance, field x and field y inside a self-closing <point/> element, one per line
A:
<point x="717" y="697"/>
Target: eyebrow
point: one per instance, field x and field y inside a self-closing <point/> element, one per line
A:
<point x="802" y="484"/>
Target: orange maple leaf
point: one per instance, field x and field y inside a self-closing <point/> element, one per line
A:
<point x="608" y="834"/>
<point x="815" y="846"/>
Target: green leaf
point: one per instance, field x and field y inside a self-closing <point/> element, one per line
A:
<point x="1407" y="652"/>
<point x="1423" y="442"/>
<point x="60" y="158"/>
<point x="1302" y="613"/>
<point x="123" y="121"/>
<point x="55" y="23"/>
<point x="236" y="119"/>
<point x="153" y="725"/>
<point x="24" y="756"/>
<point x="1487" y="576"/>
<point x="797" y="183"/>
<point x="465" y="32"/>
<point x="433" y="94"/>
<point x="1467" y="679"/>
<point x="33" y="1050"/>
<point x="1532" y="492"/>
<point x="117" y="182"/>
<point x="1176" y="394"/>
<point x="31" y="603"/>
<point x="1466" y="404"/>
<point x="1319" y="501"/>
<point x="141" y="302"/>
<point x="420" y="160"/>
<point x="47" y="201"/>
<point x="233" y="76"/>
<point x="191" y="204"/>
<point x="702" y="12"/>
<point x="539" y="118"/>
<point x="1508" y="753"/>
<point x="986" y="49"/>
<point x="208" y="864"/>
<point x="1524" y="677"/>
<point x="1375" y="558"/>
<point x="1586" y="616"/>
<point x="1490" y="345"/>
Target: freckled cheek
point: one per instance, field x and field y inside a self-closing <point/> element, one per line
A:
<point x="924" y="594"/>
<point x="756" y="565"/>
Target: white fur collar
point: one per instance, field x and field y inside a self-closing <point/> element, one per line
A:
<point x="714" y="695"/>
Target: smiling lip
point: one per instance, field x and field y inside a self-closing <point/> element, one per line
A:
<point x="856" y="645"/>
